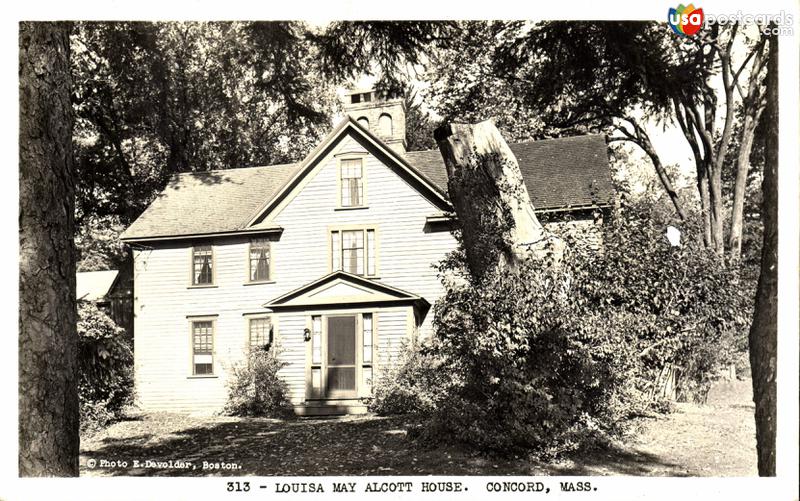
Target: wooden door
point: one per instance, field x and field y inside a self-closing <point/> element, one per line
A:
<point x="340" y="380"/>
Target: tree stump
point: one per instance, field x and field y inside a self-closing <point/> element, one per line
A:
<point x="497" y="220"/>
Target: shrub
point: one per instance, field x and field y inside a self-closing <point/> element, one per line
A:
<point x="550" y="357"/>
<point x="105" y="365"/>
<point x="413" y="383"/>
<point x="685" y="306"/>
<point x="523" y="378"/>
<point x="255" y="389"/>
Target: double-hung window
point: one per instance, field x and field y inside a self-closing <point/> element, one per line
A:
<point x="202" y="347"/>
<point x="202" y="265"/>
<point x="259" y="260"/>
<point x="354" y="251"/>
<point x="351" y="183"/>
<point x="260" y="332"/>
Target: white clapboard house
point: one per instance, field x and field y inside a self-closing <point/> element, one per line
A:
<point x="331" y="257"/>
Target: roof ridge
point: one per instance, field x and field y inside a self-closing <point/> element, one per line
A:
<point x="529" y="141"/>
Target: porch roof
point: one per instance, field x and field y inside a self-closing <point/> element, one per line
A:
<point x="339" y="289"/>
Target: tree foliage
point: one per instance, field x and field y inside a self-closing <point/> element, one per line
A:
<point x="389" y="50"/>
<point x="619" y="78"/>
<point x="154" y="99"/>
<point x="550" y="358"/>
<point x="105" y="366"/>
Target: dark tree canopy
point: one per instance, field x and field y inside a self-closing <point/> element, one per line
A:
<point x="390" y="50"/>
<point x="154" y="99"/>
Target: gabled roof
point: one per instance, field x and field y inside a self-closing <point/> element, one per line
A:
<point x="560" y="173"/>
<point x="350" y="125"/>
<point x="94" y="285"/>
<point x="340" y="288"/>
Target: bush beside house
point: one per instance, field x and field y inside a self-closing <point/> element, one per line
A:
<point x="105" y="366"/>
<point x="255" y="389"/>
<point x="548" y="358"/>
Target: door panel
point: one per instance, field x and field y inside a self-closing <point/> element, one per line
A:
<point x="341" y="359"/>
<point x="342" y="340"/>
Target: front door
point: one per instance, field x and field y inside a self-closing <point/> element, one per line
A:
<point x="340" y="381"/>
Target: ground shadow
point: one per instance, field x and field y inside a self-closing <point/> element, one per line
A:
<point x="339" y="446"/>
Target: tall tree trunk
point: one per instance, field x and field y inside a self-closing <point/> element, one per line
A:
<point x="752" y="112"/>
<point x="640" y="137"/>
<point x="715" y="210"/>
<point x="48" y="339"/>
<point x="740" y="185"/>
<point x="498" y="223"/>
<point x="764" y="330"/>
<point x="705" y="203"/>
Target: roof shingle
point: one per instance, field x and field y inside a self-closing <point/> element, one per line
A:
<point x="559" y="173"/>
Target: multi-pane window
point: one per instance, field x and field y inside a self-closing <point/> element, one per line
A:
<point x="354" y="251"/>
<point x="352" y="183"/>
<point x="259" y="259"/>
<point x="202" y="347"/>
<point x="366" y="354"/>
<point x="202" y="265"/>
<point x="367" y="338"/>
<point x="316" y="355"/>
<point x="260" y="332"/>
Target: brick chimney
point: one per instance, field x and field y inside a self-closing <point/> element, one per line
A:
<point x="382" y="116"/>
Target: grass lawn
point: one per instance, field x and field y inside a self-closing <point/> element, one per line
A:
<point x="717" y="439"/>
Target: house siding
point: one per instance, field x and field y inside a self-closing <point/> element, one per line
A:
<point x="406" y="251"/>
<point x="163" y="298"/>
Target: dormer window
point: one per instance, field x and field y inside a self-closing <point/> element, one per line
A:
<point x="351" y="183"/>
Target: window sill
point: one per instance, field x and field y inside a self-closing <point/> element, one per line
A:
<point x="260" y="282"/>
<point x="208" y="286"/>
<point x="204" y="376"/>
<point x="358" y="207"/>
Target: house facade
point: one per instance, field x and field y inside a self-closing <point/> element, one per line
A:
<point x="332" y="258"/>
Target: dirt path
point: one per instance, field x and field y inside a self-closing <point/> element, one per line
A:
<point x="717" y="439"/>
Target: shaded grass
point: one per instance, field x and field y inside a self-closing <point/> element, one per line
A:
<point x="716" y="439"/>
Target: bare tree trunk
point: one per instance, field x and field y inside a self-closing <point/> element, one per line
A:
<point x="764" y="330"/>
<point x="705" y="203"/>
<point x="752" y="112"/>
<point x="48" y="339"/>
<point x="498" y="223"/>
<point x="742" y="169"/>
<point x="640" y="137"/>
<point x="715" y="213"/>
<point x="666" y="182"/>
